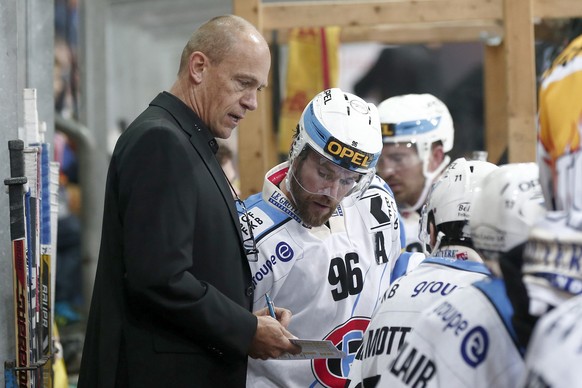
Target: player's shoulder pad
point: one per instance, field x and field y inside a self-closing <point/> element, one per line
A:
<point x="463" y="265"/>
<point x="261" y="216"/>
<point x="379" y="186"/>
<point x="379" y="210"/>
<point x="494" y="290"/>
<point x="405" y="263"/>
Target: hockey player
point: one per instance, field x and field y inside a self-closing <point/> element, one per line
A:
<point x="466" y="338"/>
<point x="551" y="260"/>
<point x="560" y="130"/>
<point x="453" y="264"/>
<point x="417" y="131"/>
<point x="327" y="232"/>
<point x="553" y="277"/>
<point x="542" y="287"/>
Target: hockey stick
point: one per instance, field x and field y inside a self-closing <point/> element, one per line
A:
<point x="32" y="169"/>
<point x="16" y="191"/>
<point x="54" y="202"/>
<point x="32" y="213"/>
<point x="46" y="317"/>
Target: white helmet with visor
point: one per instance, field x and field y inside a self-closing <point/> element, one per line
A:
<point x="449" y="202"/>
<point x="344" y="131"/>
<point x="417" y="120"/>
<point x="505" y="209"/>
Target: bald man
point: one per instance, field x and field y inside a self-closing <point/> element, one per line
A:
<point x="173" y="292"/>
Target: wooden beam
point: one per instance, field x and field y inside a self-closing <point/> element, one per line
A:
<point x="250" y="10"/>
<point x="255" y="138"/>
<point x="369" y="13"/>
<point x="436" y="32"/>
<point x="556" y="9"/>
<point x="377" y="12"/>
<point x="495" y="102"/>
<point x="521" y="82"/>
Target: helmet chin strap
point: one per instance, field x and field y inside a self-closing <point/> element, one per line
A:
<point x="430" y="177"/>
<point x="437" y="245"/>
<point x="290" y="173"/>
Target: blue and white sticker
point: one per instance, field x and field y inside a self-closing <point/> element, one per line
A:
<point x="257" y="219"/>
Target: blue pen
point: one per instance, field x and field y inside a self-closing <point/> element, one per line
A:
<point x="270" y="306"/>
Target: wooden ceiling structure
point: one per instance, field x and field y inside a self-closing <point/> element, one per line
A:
<point x="506" y="26"/>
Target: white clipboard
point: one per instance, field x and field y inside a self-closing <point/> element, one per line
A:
<point x="311" y="349"/>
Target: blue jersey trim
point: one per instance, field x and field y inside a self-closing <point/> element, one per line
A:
<point x="494" y="290"/>
<point x="463" y="265"/>
<point x="400" y="266"/>
<point x="402" y="232"/>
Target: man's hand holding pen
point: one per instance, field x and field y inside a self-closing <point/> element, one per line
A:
<point x="275" y="341"/>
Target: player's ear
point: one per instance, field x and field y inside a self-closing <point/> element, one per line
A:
<point x="196" y="65"/>
<point x="437" y="155"/>
<point x="433" y="233"/>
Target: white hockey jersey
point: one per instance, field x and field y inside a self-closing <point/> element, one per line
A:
<point x="392" y="324"/>
<point x="411" y="222"/>
<point x="331" y="277"/>
<point x="554" y="353"/>
<point x="463" y="340"/>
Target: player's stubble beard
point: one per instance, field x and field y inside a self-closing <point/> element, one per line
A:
<point x="302" y="199"/>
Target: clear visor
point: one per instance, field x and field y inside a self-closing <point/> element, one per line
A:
<point x="397" y="157"/>
<point x="318" y="175"/>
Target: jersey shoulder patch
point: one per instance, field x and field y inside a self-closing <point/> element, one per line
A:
<point x="260" y="216"/>
<point x="378" y="208"/>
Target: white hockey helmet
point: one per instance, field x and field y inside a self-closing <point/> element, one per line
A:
<point x="344" y="129"/>
<point x="449" y="201"/>
<point x="505" y="209"/>
<point x="419" y="120"/>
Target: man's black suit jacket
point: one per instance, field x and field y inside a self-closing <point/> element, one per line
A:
<point x="172" y="296"/>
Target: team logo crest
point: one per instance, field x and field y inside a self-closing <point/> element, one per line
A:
<point x="347" y="337"/>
